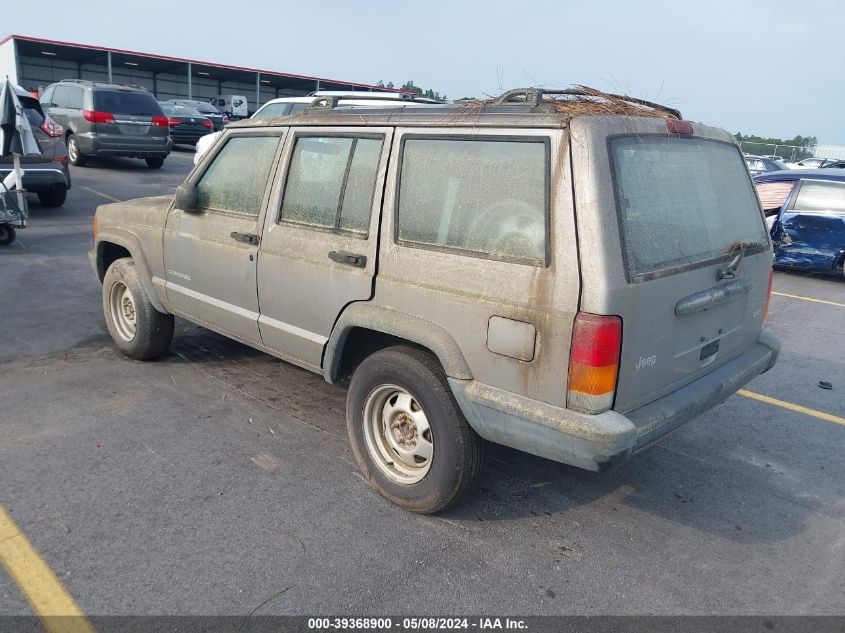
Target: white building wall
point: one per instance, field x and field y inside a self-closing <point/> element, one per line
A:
<point x="8" y="68"/>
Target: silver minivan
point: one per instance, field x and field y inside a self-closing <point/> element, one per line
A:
<point x="103" y="119"/>
<point x="572" y="274"/>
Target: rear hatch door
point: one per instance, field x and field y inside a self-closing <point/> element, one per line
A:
<point x="673" y="240"/>
<point x="137" y="121"/>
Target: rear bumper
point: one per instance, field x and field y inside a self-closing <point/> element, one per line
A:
<point x="599" y="442"/>
<point x="41" y="176"/>
<point x="93" y="145"/>
<point x="188" y="137"/>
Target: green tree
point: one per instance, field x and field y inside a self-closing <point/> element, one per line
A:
<point x="791" y="149"/>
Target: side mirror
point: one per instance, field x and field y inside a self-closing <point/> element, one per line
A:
<point x="186" y="197"/>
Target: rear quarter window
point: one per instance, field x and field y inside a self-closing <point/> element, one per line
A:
<point x="479" y="197"/>
<point x="681" y="202"/>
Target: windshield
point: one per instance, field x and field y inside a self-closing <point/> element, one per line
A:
<point x="681" y="201"/>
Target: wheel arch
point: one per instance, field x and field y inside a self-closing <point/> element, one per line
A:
<point x="363" y="329"/>
<point x="114" y="245"/>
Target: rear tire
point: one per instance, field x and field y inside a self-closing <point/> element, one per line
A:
<point x="137" y="328"/>
<point x="154" y="163"/>
<point x="53" y="197"/>
<point x="75" y="156"/>
<point x="7" y="234"/>
<point x="408" y="434"/>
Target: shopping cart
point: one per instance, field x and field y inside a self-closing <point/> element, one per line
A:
<point x="14" y="211"/>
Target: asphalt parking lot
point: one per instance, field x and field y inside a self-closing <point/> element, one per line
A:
<point x="212" y="480"/>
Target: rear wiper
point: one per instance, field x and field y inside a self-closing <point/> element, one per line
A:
<point x="737" y="249"/>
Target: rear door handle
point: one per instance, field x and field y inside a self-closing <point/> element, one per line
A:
<point x="249" y="238"/>
<point x="350" y="259"/>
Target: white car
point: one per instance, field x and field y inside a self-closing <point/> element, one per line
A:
<point x="810" y="163"/>
<point x="284" y="106"/>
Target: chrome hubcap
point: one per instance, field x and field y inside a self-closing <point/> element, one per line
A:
<point x="122" y="308"/>
<point x="398" y="434"/>
<point x="71" y="149"/>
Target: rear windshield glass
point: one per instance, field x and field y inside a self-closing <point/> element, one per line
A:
<point x="119" y="102"/>
<point x="33" y="111"/>
<point x="681" y="201"/>
<point x="271" y="110"/>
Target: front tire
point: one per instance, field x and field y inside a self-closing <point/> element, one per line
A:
<point x="409" y="436"/>
<point x="136" y="327"/>
<point x="154" y="163"/>
<point x="7" y="234"/>
<point x="75" y="156"/>
<point x="54" y="197"/>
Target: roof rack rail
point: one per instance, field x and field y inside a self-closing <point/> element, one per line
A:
<point x="330" y="102"/>
<point x="534" y="98"/>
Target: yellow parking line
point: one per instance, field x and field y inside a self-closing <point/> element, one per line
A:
<point x="101" y="194"/>
<point x="38" y="582"/>
<point x="821" y="415"/>
<point x="830" y="303"/>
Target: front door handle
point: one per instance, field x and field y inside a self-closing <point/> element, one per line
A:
<point x="249" y="238"/>
<point x="350" y="259"/>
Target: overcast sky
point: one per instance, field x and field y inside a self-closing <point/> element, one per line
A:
<point x="771" y="67"/>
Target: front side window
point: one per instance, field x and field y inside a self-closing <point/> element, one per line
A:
<point x="331" y="183"/>
<point x="60" y="96"/>
<point x="75" y="97"/>
<point x="681" y="201"/>
<point x="485" y="198"/>
<point x="236" y="179"/>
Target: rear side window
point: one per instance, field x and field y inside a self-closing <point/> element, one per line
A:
<point x="485" y="198"/>
<point x="126" y="102"/>
<point x="331" y="182"/>
<point x="820" y="197"/>
<point x="236" y="179"/>
<point x="681" y="201"/>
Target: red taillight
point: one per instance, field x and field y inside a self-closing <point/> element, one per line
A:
<point x="160" y="121"/>
<point x="173" y="122"/>
<point x="208" y="123"/>
<point x="594" y="362"/>
<point x="768" y="297"/>
<point x="678" y="127"/>
<point x="92" y="116"/>
<point x="51" y="128"/>
<point x="62" y="160"/>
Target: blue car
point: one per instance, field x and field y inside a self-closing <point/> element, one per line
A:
<point x="806" y="208"/>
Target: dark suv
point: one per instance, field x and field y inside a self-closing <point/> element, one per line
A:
<point x="46" y="175"/>
<point x="102" y="119"/>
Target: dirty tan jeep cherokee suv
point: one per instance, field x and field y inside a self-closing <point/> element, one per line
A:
<point x="572" y="274"/>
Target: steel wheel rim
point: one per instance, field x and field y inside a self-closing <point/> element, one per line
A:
<point x="123" y="313"/>
<point x="398" y="434"/>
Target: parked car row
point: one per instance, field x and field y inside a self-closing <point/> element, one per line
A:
<point x="96" y="119"/>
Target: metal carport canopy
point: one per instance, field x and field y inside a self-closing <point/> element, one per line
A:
<point x="193" y="70"/>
